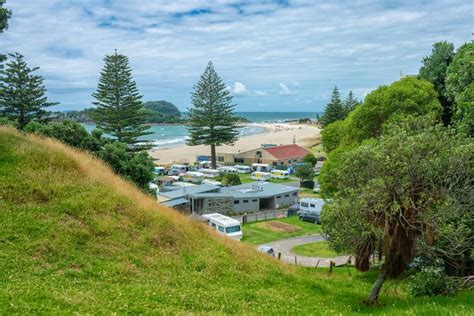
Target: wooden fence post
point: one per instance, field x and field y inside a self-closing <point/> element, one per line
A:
<point x="317" y="264"/>
<point x="331" y="265"/>
<point x="296" y="261"/>
<point x="279" y="255"/>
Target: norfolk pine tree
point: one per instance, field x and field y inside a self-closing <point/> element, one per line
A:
<point x="23" y="93"/>
<point x="119" y="102"/>
<point x="211" y="119"/>
<point x="350" y="102"/>
<point x="334" y="110"/>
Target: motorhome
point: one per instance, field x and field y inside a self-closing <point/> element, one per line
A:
<point x="176" y="170"/>
<point x="212" y="182"/>
<point x="310" y="209"/>
<point x="193" y="176"/>
<point x="261" y="176"/>
<point x="280" y="174"/>
<point x="205" y="164"/>
<point x="159" y="171"/>
<point x="262" y="167"/>
<point x="243" y="169"/>
<point x="227" y="170"/>
<point x="209" y="173"/>
<point x="225" y="225"/>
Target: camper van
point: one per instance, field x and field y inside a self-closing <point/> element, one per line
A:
<point x="262" y="167"/>
<point x="205" y="164"/>
<point x="243" y="169"/>
<point x="227" y="170"/>
<point x="209" y="173"/>
<point x="212" y="182"/>
<point x="161" y="171"/>
<point x="310" y="209"/>
<point x="280" y="174"/>
<point x="176" y="170"/>
<point x="225" y="225"/>
<point x="261" y="176"/>
<point x="193" y="176"/>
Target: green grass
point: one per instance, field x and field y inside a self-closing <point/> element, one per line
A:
<point x="75" y="239"/>
<point x="254" y="233"/>
<point x="305" y="192"/>
<point x="247" y="177"/>
<point x="315" y="249"/>
<point x="318" y="151"/>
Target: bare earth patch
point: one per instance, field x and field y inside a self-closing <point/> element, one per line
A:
<point x="279" y="227"/>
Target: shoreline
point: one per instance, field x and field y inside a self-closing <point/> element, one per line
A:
<point x="304" y="135"/>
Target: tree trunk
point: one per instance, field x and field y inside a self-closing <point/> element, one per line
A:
<point x="213" y="157"/>
<point x="374" y="293"/>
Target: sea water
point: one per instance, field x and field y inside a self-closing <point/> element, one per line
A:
<point x="165" y="136"/>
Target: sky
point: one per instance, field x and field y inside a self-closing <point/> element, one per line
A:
<point x="274" y="55"/>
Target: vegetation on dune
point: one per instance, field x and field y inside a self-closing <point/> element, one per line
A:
<point x="78" y="239"/>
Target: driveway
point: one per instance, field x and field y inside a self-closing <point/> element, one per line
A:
<point x="285" y="245"/>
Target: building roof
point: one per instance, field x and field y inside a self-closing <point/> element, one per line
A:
<point x="182" y="192"/>
<point x="287" y="151"/>
<point x="249" y="190"/>
<point x="175" y="202"/>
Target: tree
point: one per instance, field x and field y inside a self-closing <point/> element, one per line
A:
<point x="231" y="179"/>
<point x="5" y="14"/>
<point x="212" y="121"/>
<point x="460" y="73"/>
<point x="350" y="102"/>
<point x="334" y="109"/>
<point x="392" y="198"/>
<point x="118" y="102"/>
<point x="305" y="172"/>
<point x="23" y="97"/>
<point x="310" y="159"/>
<point x="434" y="70"/>
<point x="463" y="117"/>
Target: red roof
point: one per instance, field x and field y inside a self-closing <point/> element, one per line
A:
<point x="287" y="151"/>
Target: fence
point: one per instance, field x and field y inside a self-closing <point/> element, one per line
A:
<point x="262" y="216"/>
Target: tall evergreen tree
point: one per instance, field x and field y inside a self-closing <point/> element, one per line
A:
<point x="211" y="120"/>
<point x="118" y="101"/>
<point x="23" y="97"/>
<point x="4" y="16"/>
<point x="334" y="109"/>
<point x="350" y="102"/>
<point x="434" y="70"/>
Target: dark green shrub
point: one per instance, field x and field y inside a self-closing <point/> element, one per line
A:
<point x="431" y="281"/>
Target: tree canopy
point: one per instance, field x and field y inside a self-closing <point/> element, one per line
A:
<point x="212" y="120"/>
<point x="118" y="101"/>
<point x="334" y="110"/>
<point x="460" y="73"/>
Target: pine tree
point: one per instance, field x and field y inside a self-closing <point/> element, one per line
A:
<point x="350" y="103"/>
<point x="211" y="121"/>
<point x="4" y="16"/>
<point x="23" y="97"/>
<point x="334" y="109"/>
<point x="118" y="101"/>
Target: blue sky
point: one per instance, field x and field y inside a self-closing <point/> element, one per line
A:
<point x="274" y="55"/>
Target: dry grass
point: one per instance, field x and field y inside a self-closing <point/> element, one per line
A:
<point x="279" y="227"/>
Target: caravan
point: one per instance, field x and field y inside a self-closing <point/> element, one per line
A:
<point x="225" y="225"/>
<point x="262" y="167"/>
<point x="243" y="169"/>
<point x="193" y="176"/>
<point x="310" y="209"/>
<point x="280" y="174"/>
<point x="227" y="170"/>
<point x="261" y="176"/>
<point x="209" y="173"/>
<point x="176" y="170"/>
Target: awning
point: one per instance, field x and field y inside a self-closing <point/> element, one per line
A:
<point x="176" y="202"/>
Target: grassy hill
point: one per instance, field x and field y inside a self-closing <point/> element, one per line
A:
<point x="75" y="238"/>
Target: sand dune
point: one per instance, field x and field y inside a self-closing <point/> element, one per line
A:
<point x="275" y="133"/>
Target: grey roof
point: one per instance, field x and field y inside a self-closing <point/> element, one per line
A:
<point x="251" y="190"/>
<point x="175" y="202"/>
<point x="182" y="192"/>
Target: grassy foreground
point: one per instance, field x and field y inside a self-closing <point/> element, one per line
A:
<point x="75" y="238"/>
<point x="315" y="249"/>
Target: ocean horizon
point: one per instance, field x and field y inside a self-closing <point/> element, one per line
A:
<point x="167" y="136"/>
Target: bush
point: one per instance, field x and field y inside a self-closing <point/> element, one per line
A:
<point x="431" y="281"/>
<point x="309" y="184"/>
<point x="231" y="179"/>
<point x="310" y="159"/>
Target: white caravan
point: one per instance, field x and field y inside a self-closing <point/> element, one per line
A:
<point x="176" y="170"/>
<point x="311" y="205"/>
<point x="262" y="167"/>
<point x="243" y="169"/>
<point x="193" y="176"/>
<point x="209" y="173"/>
<point x="227" y="170"/>
<point x="280" y="174"/>
<point x="261" y="176"/>
<point x="212" y="182"/>
<point x="225" y="225"/>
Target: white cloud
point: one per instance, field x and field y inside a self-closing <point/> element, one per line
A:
<point x="295" y="83"/>
<point x="259" y="93"/>
<point x="239" y="89"/>
<point x="284" y="90"/>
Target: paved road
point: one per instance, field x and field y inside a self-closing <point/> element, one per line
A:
<point x="284" y="246"/>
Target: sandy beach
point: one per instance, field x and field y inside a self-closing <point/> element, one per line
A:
<point x="275" y="133"/>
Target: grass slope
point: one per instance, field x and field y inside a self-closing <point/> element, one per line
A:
<point x="75" y="238"/>
<point x="315" y="249"/>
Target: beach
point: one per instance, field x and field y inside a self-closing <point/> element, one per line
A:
<point x="305" y="135"/>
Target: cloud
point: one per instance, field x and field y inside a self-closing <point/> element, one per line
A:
<point x="360" y="45"/>
<point x="284" y="90"/>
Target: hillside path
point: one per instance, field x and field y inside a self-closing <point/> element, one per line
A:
<point x="285" y="245"/>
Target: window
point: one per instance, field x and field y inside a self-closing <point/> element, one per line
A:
<point x="255" y="200"/>
<point x="275" y="163"/>
<point x="221" y="229"/>
<point x="304" y="204"/>
<point x="236" y="201"/>
<point x="282" y="163"/>
<point x="312" y="205"/>
<point x="246" y="201"/>
<point x="232" y="229"/>
<point x="279" y="197"/>
<point x="220" y="158"/>
<point x="287" y="195"/>
<point x="239" y="160"/>
<point x="295" y="194"/>
<point x="213" y="225"/>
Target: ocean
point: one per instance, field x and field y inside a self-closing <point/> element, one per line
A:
<point x="165" y="136"/>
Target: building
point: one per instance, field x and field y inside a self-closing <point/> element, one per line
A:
<point x="179" y="198"/>
<point x="244" y="198"/>
<point x="283" y="155"/>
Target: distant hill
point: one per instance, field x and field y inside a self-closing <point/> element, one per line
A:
<point x="77" y="239"/>
<point x="163" y="107"/>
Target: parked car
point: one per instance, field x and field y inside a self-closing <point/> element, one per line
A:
<point x="310" y="217"/>
<point x="268" y="250"/>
